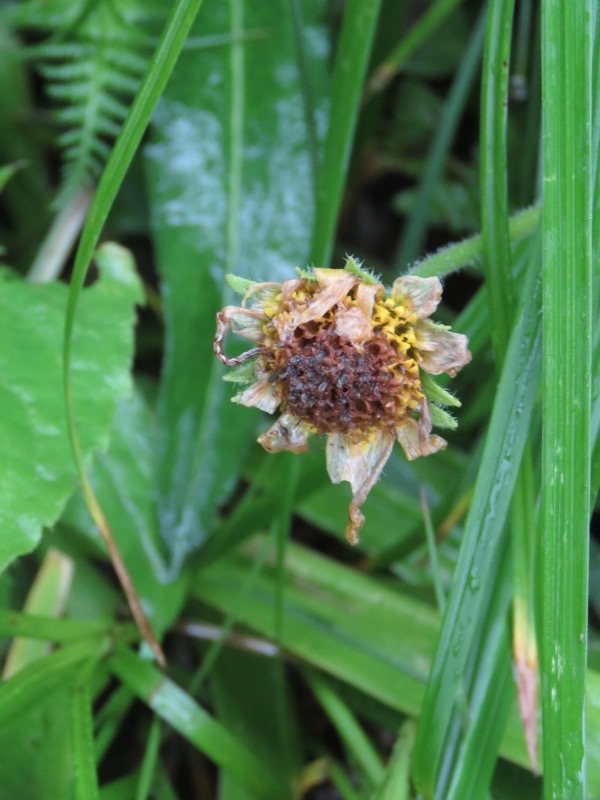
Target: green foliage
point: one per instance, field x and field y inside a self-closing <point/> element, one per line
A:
<point x="265" y="139"/>
<point x="41" y="474"/>
<point x="92" y="60"/>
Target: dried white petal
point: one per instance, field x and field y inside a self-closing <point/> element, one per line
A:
<point x="288" y="433"/>
<point x="424" y="293"/>
<point x="360" y="463"/>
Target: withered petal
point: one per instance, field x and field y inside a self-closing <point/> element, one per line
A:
<point x="424" y="293"/>
<point x="328" y="277"/>
<point x="416" y="442"/>
<point x="289" y="287"/>
<point x="351" y="324"/>
<point x="261" y="394"/>
<point x="441" y="349"/>
<point x="356" y="323"/>
<point x="261" y="294"/>
<point x="244" y="322"/>
<point x="360" y="463"/>
<point x="288" y="433"/>
<point x="335" y="288"/>
<point x="365" y="297"/>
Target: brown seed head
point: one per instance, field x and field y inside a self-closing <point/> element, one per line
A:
<point x="339" y="387"/>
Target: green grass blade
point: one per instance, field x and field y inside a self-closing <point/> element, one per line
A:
<point x="354" y="636"/>
<point x="567" y="286"/>
<point x="352" y="735"/>
<point x="179" y="710"/>
<point x="426" y="25"/>
<point x="470" y="772"/>
<point x="494" y="196"/>
<point x="42" y="677"/>
<point x="352" y="57"/>
<point x="82" y="741"/>
<point x="483" y="539"/>
<point x="167" y="52"/>
<point x="500" y="294"/>
<point x="397" y="782"/>
<point x="149" y="761"/>
<point x="34" y="626"/>
<point x="414" y="233"/>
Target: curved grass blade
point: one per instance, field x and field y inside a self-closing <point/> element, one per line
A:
<point x="32" y="683"/>
<point x="167" y="52"/>
<point x="396" y="785"/>
<point x="47" y="595"/>
<point x="149" y="762"/>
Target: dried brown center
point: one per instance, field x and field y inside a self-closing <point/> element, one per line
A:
<point x="338" y="387"/>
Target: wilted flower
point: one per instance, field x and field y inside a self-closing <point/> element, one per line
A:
<point x="338" y="355"/>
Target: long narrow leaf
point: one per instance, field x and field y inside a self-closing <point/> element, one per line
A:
<point x="82" y="740"/>
<point x="483" y="539"/>
<point x="567" y="292"/>
<point x="352" y="56"/>
<point x="177" y="708"/>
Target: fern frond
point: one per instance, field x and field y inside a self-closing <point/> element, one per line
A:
<point x="92" y="60"/>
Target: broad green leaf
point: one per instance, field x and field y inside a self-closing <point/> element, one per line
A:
<point x="335" y="618"/>
<point x="231" y="191"/>
<point x="38" y="473"/>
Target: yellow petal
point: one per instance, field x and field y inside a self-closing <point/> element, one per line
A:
<point x="424" y="293"/>
<point x="359" y="463"/>
<point x="288" y="433"/>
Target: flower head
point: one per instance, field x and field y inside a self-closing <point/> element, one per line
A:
<point x="339" y="355"/>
